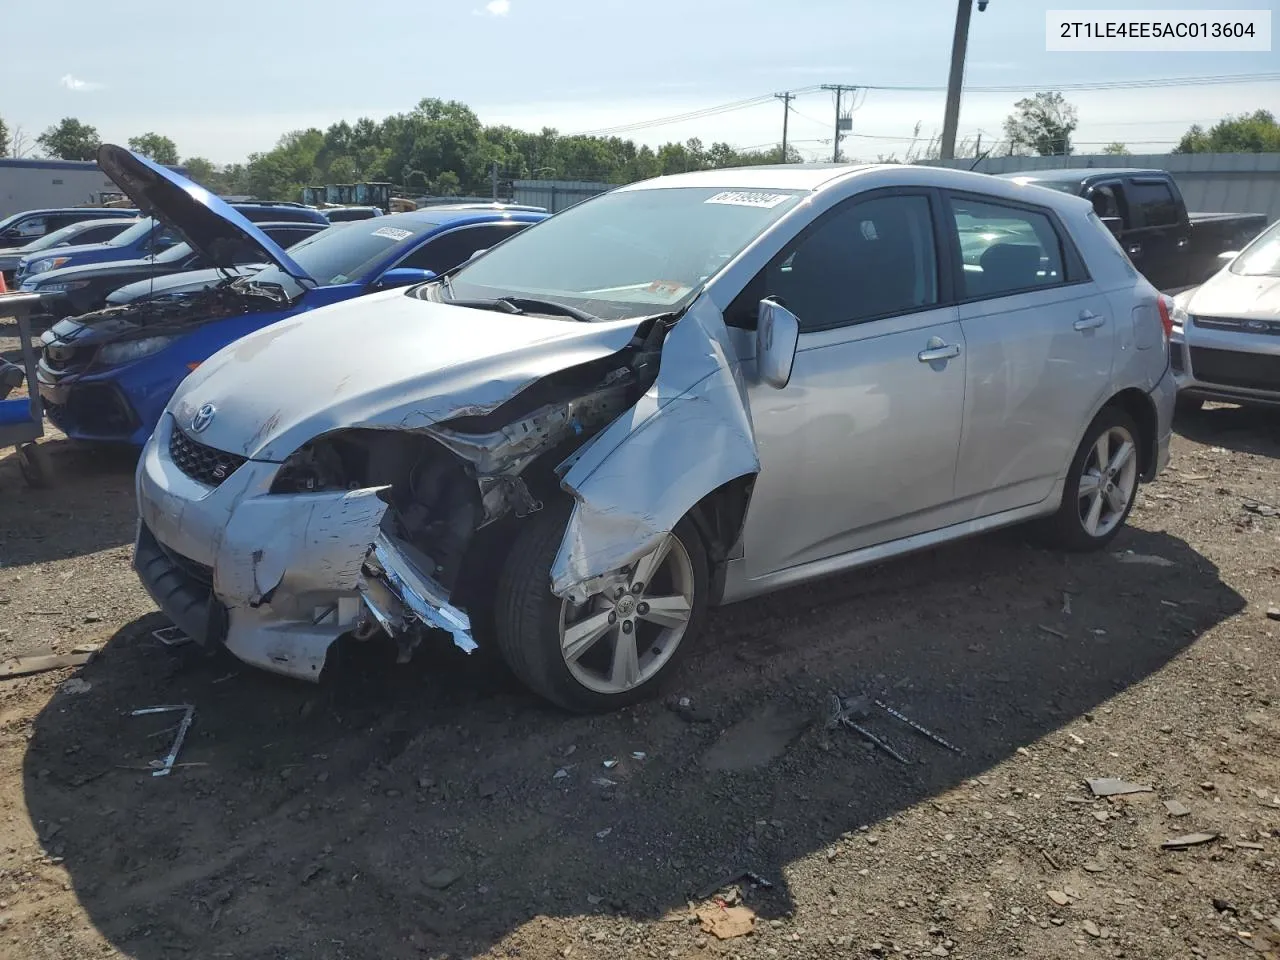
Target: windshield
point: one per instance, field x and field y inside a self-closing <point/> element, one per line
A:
<point x="133" y="234"/>
<point x="52" y="239"/>
<point x="346" y="252"/>
<point x="626" y="254"/>
<point x="1262" y="257"/>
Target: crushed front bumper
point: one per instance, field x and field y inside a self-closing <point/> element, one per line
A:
<point x="276" y="578"/>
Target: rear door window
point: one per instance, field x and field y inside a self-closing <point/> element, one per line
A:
<point x="1153" y="202"/>
<point x="1005" y="249"/>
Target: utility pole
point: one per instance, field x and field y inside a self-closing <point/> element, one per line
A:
<point x="786" y="99"/>
<point x="843" y="124"/>
<point x="959" y="46"/>
<point x="494" y="174"/>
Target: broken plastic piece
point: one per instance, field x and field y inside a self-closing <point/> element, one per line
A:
<point x="416" y="590"/>
<point x="1113" y="787"/>
<point x="171" y="636"/>
<point x="165" y="766"/>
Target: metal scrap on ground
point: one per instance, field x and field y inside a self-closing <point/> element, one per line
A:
<point x="1113" y="787"/>
<point x="1189" y="840"/>
<point x="847" y="711"/>
<point x="162" y="768"/>
<point x="24" y="666"/>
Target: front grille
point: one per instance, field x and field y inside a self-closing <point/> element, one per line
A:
<point x="196" y="571"/>
<point x="93" y="409"/>
<point x="1234" y="324"/>
<point x="202" y="464"/>
<point x="1230" y="368"/>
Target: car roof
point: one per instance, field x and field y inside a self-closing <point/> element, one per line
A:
<point x="781" y="176"/>
<point x="89" y="212"/>
<point x="1073" y="174"/>
<point x="455" y="216"/>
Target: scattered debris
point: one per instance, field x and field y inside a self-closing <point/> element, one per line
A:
<point x="1078" y="741"/>
<point x="1247" y="845"/>
<point x="604" y="782"/>
<point x="24" y="666"/>
<point x="1224" y="906"/>
<point x="1273" y="613"/>
<point x="75" y="686"/>
<point x="171" y="636"/>
<point x="1048" y="856"/>
<point x="639" y="755"/>
<point x="1146" y="559"/>
<point x="1058" y="897"/>
<point x="601" y="834"/>
<point x="1066" y="604"/>
<point x="726" y="923"/>
<point x="1176" y="808"/>
<point x="1052" y="632"/>
<point x="1113" y="787"/>
<point x="1091" y="928"/>
<point x="610" y="764"/>
<point x="560" y="774"/>
<point x="1092" y="867"/>
<point x="1208" y="785"/>
<point x="846" y="711"/>
<point x="1189" y="840"/>
<point x="1102" y="816"/>
<point x="442" y="879"/>
<point x="724" y="882"/>
<point x="1261" y="509"/>
<point x="164" y="767"/>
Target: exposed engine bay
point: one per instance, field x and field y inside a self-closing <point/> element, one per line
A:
<point x="72" y="344"/>
<point x="454" y="489"/>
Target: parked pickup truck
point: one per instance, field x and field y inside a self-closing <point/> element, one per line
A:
<point x="1172" y="248"/>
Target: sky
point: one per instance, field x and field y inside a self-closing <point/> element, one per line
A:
<point x="228" y="79"/>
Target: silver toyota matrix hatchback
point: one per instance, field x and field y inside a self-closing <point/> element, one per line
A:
<point x="682" y="393"/>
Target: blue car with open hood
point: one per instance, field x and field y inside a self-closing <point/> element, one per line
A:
<point x="107" y="375"/>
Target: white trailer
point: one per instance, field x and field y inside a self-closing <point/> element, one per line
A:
<point x="27" y="184"/>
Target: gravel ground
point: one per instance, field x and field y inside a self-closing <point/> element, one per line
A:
<point x="436" y="810"/>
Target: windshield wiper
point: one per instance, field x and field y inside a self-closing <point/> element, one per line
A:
<point x="528" y="305"/>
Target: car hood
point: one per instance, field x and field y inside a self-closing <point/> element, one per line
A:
<point x="189" y="281"/>
<point x="76" y="250"/>
<point x="384" y="360"/>
<point x="1227" y="294"/>
<point x="209" y="223"/>
<point x="90" y="271"/>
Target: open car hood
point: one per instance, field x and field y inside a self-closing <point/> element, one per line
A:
<point x="211" y="225"/>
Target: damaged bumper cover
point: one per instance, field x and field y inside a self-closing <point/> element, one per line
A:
<point x="276" y="578"/>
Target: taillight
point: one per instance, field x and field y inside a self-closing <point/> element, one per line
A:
<point x="1165" y="306"/>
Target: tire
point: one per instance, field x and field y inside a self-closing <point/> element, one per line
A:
<point x="529" y="619"/>
<point x="1068" y="529"/>
<point x="1186" y="406"/>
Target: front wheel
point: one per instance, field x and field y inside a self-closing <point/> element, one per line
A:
<point x="1101" y="486"/>
<point x="614" y="649"/>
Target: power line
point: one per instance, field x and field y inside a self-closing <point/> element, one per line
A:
<point x="786" y="99"/>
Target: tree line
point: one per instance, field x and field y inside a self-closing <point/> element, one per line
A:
<point x="441" y="148"/>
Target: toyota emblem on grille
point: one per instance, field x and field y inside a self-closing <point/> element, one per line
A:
<point x="1258" y="326"/>
<point x="204" y="417"/>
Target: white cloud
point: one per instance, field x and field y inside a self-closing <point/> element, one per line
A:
<point x="84" y="86"/>
<point x="496" y="8"/>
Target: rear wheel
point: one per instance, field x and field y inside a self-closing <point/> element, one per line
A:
<point x="1101" y="485"/>
<point x="614" y="649"/>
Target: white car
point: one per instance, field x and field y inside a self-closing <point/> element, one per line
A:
<point x="681" y="393"/>
<point x="1226" y="334"/>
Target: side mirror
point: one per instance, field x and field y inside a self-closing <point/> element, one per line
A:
<point x="404" y="277"/>
<point x="1228" y="256"/>
<point x="1114" y="224"/>
<point x="777" y="335"/>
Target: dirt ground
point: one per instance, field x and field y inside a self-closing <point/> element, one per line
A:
<point x="436" y="810"/>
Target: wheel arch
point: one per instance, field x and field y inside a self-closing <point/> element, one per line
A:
<point x="1139" y="405"/>
<point x="720" y="517"/>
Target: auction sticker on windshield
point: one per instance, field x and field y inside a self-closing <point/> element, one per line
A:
<point x="744" y="198"/>
<point x="392" y="233"/>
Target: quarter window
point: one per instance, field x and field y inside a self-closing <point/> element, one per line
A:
<point x="868" y="259"/>
<point x="1004" y="249"/>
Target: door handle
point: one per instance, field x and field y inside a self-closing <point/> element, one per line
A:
<point x="1135" y="249"/>
<point x="938" y="349"/>
<point x="1089" y="321"/>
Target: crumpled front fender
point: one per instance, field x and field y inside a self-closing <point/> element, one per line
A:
<point x="690" y="433"/>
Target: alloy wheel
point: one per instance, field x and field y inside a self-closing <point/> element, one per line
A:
<point x="1108" y="481"/>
